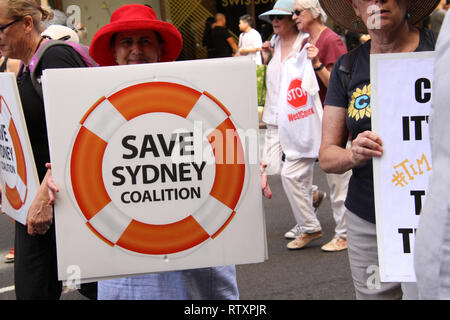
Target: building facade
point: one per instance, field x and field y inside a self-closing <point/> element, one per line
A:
<point x="189" y="16"/>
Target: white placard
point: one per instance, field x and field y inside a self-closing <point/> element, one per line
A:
<point x="401" y="102"/>
<point x="141" y="188"/>
<point x="18" y="175"/>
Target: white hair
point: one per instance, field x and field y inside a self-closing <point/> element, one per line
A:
<point x="314" y="7"/>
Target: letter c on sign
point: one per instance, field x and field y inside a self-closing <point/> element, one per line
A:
<point x="421" y="85"/>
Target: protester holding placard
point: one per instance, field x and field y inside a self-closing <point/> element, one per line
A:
<point x="348" y="110"/>
<point x="324" y="48"/>
<point x="35" y="270"/>
<point x="135" y="36"/>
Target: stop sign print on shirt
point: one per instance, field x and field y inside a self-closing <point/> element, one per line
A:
<point x="297" y="97"/>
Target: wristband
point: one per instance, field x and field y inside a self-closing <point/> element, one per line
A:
<point x="319" y="67"/>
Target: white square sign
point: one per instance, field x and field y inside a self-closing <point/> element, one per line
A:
<point x="18" y="175"/>
<point x="401" y="104"/>
<point x="157" y="167"/>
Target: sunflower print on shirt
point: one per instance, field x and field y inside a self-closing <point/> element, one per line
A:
<point x="360" y="104"/>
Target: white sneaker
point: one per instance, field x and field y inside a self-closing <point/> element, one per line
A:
<point x="293" y="233"/>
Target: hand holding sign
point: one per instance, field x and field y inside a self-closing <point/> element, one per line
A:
<point x="366" y="146"/>
<point x="267" y="192"/>
<point x="51" y="185"/>
<point x="40" y="214"/>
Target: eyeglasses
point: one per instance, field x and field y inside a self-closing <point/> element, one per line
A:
<point x="3" y="28"/>
<point x="279" y="17"/>
<point x="297" y="12"/>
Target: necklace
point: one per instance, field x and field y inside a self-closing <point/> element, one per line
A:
<point x="27" y="68"/>
<point x="314" y="41"/>
<point x="39" y="44"/>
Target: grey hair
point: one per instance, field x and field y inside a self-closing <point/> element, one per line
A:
<point x="315" y="8"/>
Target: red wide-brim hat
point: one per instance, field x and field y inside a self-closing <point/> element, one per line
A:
<point x="134" y="17"/>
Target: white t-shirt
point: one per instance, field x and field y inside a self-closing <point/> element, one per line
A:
<point x="273" y="77"/>
<point x="251" y="40"/>
<point x="300" y="109"/>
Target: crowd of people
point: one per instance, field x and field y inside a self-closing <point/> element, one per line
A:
<point x="302" y="45"/>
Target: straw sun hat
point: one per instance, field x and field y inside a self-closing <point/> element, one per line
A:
<point x="134" y="17"/>
<point x="341" y="11"/>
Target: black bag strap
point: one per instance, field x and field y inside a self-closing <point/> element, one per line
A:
<point x="346" y="67"/>
<point x="36" y="73"/>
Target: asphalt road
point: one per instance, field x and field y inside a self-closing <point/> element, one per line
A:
<point x="307" y="274"/>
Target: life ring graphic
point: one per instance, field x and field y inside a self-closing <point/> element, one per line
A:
<point x="16" y="190"/>
<point x="112" y="225"/>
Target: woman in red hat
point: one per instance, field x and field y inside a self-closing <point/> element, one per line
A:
<point x="135" y="36"/>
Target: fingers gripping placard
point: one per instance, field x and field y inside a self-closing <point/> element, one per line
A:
<point x="110" y="216"/>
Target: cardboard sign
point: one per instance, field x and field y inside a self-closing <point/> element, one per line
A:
<point x="401" y="103"/>
<point x="18" y="175"/>
<point x="157" y="165"/>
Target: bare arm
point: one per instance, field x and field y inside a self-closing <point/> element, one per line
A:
<point x="324" y="74"/>
<point x="246" y="51"/>
<point x="233" y="44"/>
<point x="40" y="214"/>
<point x="333" y="157"/>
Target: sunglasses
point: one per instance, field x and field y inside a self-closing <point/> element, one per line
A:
<point x="3" y="28"/>
<point x="297" y="12"/>
<point x="279" y="17"/>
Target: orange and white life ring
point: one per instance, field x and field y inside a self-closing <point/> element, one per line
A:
<point x="102" y="215"/>
<point x="15" y="191"/>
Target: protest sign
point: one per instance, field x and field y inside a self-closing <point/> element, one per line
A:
<point x="157" y="166"/>
<point x="401" y="102"/>
<point x="18" y="175"/>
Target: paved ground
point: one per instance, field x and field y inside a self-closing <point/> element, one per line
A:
<point x="309" y="273"/>
<point x="287" y="275"/>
